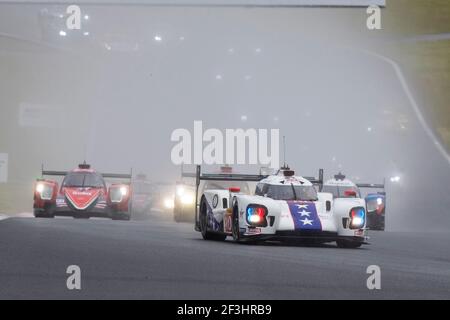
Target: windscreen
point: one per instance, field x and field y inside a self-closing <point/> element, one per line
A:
<point x="287" y="192"/>
<point x="83" y="180"/>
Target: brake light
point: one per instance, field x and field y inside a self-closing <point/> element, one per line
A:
<point x="235" y="189"/>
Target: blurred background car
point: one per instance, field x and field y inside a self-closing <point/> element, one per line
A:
<point x="143" y="193"/>
<point x="376" y="208"/>
<point x="185" y="196"/>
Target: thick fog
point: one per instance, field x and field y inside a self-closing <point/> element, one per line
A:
<point x="113" y="92"/>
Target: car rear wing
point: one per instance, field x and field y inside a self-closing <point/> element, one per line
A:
<point x="104" y="175"/>
<point x="373" y="186"/>
<point x="199" y="176"/>
<point x="318" y="181"/>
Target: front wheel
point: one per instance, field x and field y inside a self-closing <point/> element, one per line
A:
<point x="207" y="235"/>
<point x="43" y="214"/>
<point x="235" y="224"/>
<point x="125" y="217"/>
<point x="348" y="244"/>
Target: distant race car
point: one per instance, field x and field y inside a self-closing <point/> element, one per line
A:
<point x="185" y="195"/>
<point x="143" y="197"/>
<point x="163" y="197"/>
<point x="376" y="210"/>
<point x="284" y="206"/>
<point x="344" y="190"/>
<point x="83" y="194"/>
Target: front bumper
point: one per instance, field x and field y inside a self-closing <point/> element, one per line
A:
<point x="92" y="213"/>
<point x="314" y="236"/>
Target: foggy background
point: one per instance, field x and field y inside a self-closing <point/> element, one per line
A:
<point x="113" y="92"/>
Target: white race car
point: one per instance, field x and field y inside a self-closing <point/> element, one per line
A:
<point x="284" y="206"/>
<point x="345" y="191"/>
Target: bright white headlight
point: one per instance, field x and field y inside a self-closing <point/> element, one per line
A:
<point x="45" y="191"/>
<point x="357" y="221"/>
<point x="187" y="199"/>
<point x="379" y="201"/>
<point x="124" y="190"/>
<point x="168" y="203"/>
<point x="180" y="191"/>
<point x="40" y="187"/>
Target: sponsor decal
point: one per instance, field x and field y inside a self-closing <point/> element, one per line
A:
<point x="253" y="231"/>
<point x="304" y="215"/>
<point x="60" y="202"/>
<point x="81" y="200"/>
<point x="227" y="223"/>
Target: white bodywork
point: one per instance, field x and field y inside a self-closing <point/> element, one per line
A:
<point x="325" y="219"/>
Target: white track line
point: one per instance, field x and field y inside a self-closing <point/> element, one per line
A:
<point x="414" y="105"/>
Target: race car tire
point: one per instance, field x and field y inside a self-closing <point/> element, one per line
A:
<point x="124" y="217"/>
<point x="207" y="235"/>
<point x="177" y="217"/>
<point x="348" y="244"/>
<point x="235" y="224"/>
<point x="43" y="214"/>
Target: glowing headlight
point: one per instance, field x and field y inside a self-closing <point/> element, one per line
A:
<point x="168" y="203"/>
<point x="123" y="191"/>
<point x="358" y="218"/>
<point x="379" y="201"/>
<point x="254" y="219"/>
<point x="180" y="191"/>
<point x="187" y="199"/>
<point x="357" y="221"/>
<point x="256" y="215"/>
<point x="45" y="191"/>
<point x="40" y="187"/>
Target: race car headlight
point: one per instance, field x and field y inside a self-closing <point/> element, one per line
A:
<point x="123" y="191"/>
<point x="40" y="187"/>
<point x="45" y="191"/>
<point x="256" y="215"/>
<point x="187" y="199"/>
<point x="168" y="203"/>
<point x="180" y="191"/>
<point x="357" y="218"/>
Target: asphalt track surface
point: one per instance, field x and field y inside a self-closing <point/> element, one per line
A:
<point x="159" y="259"/>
